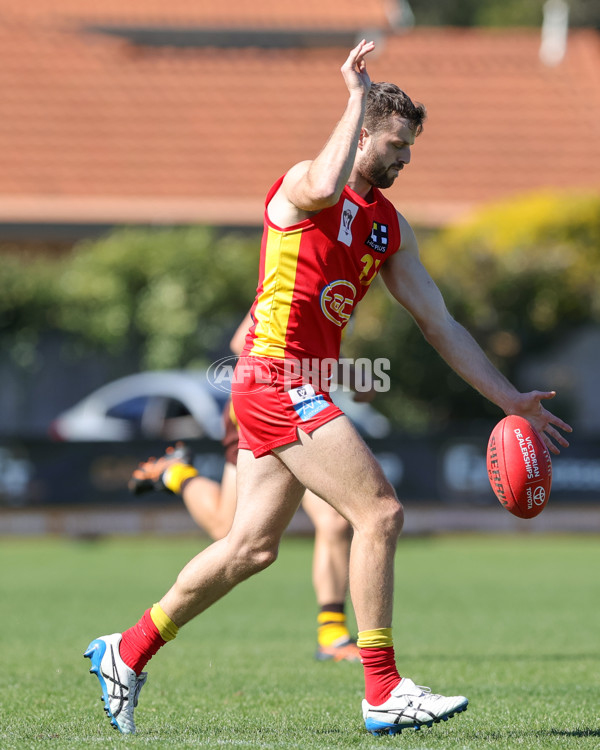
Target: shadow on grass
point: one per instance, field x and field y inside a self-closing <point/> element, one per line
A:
<point x="571" y="733"/>
<point x="506" y="657"/>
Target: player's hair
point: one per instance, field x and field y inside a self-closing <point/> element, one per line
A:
<point x="386" y="99"/>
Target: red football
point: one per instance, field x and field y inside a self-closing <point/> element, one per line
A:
<point x="519" y="467"/>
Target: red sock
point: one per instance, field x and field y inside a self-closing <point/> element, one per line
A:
<point x="140" y="643"/>
<point x="381" y="674"/>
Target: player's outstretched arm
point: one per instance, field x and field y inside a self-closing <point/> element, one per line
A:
<point x="413" y="287"/>
<point x="317" y="184"/>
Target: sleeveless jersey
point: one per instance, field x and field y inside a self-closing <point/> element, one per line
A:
<point x="313" y="274"/>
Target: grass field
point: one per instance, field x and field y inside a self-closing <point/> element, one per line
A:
<point x="513" y="623"/>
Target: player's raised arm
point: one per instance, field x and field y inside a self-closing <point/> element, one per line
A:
<point x="314" y="185"/>
<point x="410" y="283"/>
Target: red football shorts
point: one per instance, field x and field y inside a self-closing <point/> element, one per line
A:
<point x="271" y="404"/>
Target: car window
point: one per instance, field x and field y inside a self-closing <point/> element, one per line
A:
<point x="131" y="410"/>
<point x="176" y="409"/>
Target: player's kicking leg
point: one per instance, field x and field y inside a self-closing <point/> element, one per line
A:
<point x="250" y="546"/>
<point x="212" y="506"/>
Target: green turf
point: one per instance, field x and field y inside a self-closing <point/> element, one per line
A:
<point x="511" y="622"/>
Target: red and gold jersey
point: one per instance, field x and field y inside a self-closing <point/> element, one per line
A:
<point x="313" y="274"/>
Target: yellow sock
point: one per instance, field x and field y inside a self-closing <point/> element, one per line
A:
<point x="165" y="626"/>
<point x="332" y="627"/>
<point x="175" y="475"/>
<point x="378" y="638"/>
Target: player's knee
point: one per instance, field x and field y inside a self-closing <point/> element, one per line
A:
<point x="257" y="557"/>
<point x="398" y="514"/>
<point x="262" y="558"/>
<point x="388" y="518"/>
<point x="393" y="512"/>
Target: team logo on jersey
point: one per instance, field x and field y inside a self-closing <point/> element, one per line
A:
<point x="349" y="211"/>
<point x="378" y="238"/>
<point x="337" y="301"/>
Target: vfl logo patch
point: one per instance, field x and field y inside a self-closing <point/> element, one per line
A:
<point x="337" y="301"/>
<point x="306" y="402"/>
<point x="378" y="239"/>
<point x="349" y="212"/>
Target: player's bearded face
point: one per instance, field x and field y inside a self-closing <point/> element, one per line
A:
<point x="386" y="153"/>
<point x="377" y="170"/>
<point x="380" y="164"/>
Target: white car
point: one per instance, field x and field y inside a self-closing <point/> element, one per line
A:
<point x="169" y="404"/>
<point x="173" y="405"/>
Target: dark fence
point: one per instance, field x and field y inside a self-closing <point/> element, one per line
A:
<point x="448" y="471"/>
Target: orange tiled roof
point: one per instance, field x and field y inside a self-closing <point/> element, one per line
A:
<point x="338" y="14"/>
<point x="94" y="128"/>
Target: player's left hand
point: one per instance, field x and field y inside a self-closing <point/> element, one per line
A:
<point x="529" y="405"/>
<point x="354" y="69"/>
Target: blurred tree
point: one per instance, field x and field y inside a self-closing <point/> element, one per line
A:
<point x="520" y="276"/>
<point x="170" y="295"/>
<point x="27" y="294"/>
<point x="499" y="12"/>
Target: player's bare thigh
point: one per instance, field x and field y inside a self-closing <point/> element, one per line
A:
<point x="268" y="495"/>
<point x="336" y="464"/>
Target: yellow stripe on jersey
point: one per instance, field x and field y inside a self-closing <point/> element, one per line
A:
<point x="272" y="311"/>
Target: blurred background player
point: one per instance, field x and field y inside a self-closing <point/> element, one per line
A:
<point x="212" y="506"/>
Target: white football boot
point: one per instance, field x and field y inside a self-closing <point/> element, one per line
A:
<point x="120" y="684"/>
<point x="410" y="705"/>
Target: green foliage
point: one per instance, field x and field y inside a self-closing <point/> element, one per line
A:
<point x="498" y="13"/>
<point x="520" y="276"/>
<point x="168" y="293"/>
<point x="26" y="298"/>
<point x="523" y="271"/>
<point x="172" y="291"/>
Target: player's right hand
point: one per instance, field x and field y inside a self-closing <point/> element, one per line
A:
<point x="546" y="423"/>
<point x="354" y="69"/>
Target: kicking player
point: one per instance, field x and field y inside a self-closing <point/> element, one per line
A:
<point x="212" y="506"/>
<point x="328" y="231"/>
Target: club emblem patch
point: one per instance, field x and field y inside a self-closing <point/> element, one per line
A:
<point x="337" y="301"/>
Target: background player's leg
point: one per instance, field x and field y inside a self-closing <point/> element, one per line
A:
<point x="331" y="558"/>
<point x="210" y="504"/>
<point x="332" y="549"/>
